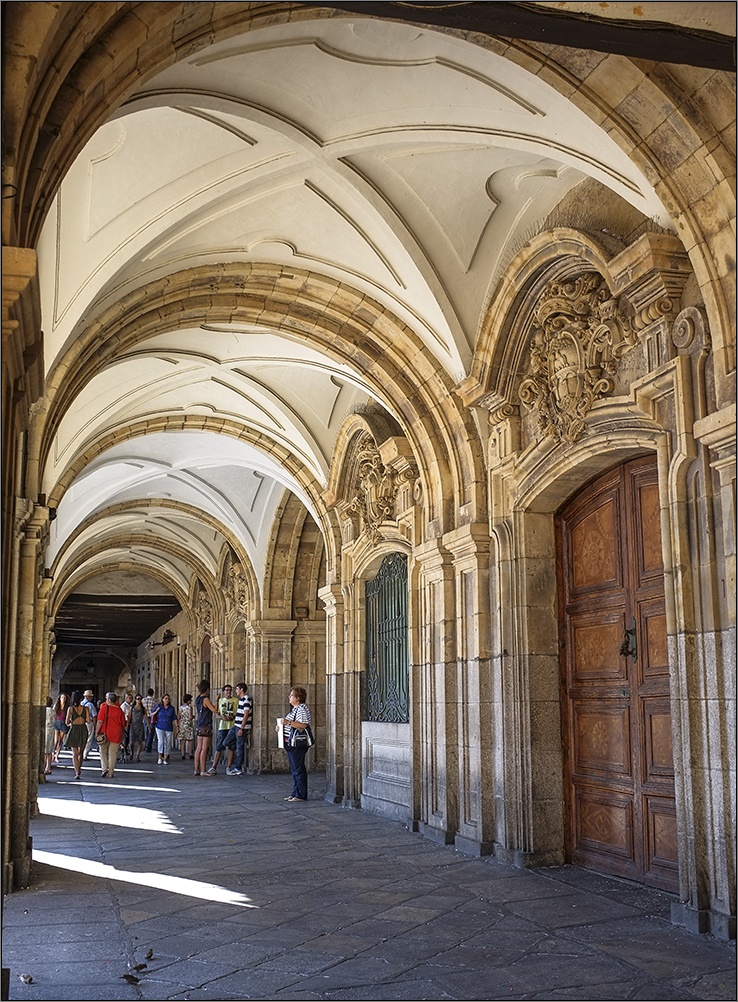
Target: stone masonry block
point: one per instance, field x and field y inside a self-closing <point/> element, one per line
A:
<point x="613" y="79"/>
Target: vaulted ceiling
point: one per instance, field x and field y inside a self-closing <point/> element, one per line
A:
<point x="402" y="162"/>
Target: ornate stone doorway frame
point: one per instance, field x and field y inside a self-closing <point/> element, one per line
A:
<point x="661" y="407"/>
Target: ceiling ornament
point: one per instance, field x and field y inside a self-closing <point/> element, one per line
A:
<point x="579" y="336"/>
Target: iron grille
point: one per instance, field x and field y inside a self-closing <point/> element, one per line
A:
<point x="387" y="686"/>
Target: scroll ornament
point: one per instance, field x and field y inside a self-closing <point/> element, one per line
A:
<point x="237" y="588"/>
<point x="580" y="335"/>
<point x="205" y="612"/>
<point x="376" y="487"/>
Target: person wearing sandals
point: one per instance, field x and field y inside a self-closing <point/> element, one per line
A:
<point x="49" y="736"/>
<point x="205" y="713"/>
<point x="78" y="717"/>
<point x="111" y="723"/>
<point x="60" y="723"/>
<point x="187" y="726"/>
<point x="137" y="724"/>
<point x="296" y="727"/>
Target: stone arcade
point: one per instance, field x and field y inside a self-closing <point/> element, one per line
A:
<point x="395" y="360"/>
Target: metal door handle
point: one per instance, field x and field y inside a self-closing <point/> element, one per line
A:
<point x="629" y="636"/>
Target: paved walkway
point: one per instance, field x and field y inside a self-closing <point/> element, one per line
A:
<point x="239" y="895"/>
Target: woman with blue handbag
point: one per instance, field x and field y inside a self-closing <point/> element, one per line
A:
<point x="298" y="738"/>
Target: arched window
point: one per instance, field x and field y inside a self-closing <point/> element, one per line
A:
<point x="387" y="673"/>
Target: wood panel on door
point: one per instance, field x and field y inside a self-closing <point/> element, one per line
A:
<point x="616" y="709"/>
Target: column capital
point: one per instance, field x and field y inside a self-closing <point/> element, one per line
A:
<point x="468" y="541"/>
<point x="271" y="629"/>
<point x="332" y="598"/>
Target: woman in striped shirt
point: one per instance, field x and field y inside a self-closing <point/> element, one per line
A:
<point x="296" y="725"/>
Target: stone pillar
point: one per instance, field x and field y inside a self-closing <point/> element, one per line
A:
<point x="39" y="687"/>
<point x="470" y="549"/>
<point x="434" y="686"/>
<point x="269" y="684"/>
<point x="528" y="714"/>
<point x="353" y="666"/>
<point x="332" y="598"/>
<point x="308" y="670"/>
<point x="21" y="723"/>
<point x="704" y="686"/>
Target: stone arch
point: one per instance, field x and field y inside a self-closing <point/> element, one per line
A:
<point x="148" y="502"/>
<point x="304" y="478"/>
<point x="139" y="538"/>
<point x="523" y="278"/>
<point x="643" y="108"/>
<point x="61" y="590"/>
<point x="237" y="581"/>
<point x="382" y="349"/>
<point x="289" y="540"/>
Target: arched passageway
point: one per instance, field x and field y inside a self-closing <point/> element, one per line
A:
<point x="292" y="291"/>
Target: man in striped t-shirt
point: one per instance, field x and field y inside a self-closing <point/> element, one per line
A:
<point x="243" y="730"/>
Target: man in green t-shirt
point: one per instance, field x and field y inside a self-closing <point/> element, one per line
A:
<point x="227" y="705"/>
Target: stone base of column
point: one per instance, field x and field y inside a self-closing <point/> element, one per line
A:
<point x="350" y="802"/>
<point x="443" y="835"/>
<point x="702" y="920"/>
<point x="475" y="847"/>
<point x="528" y="860"/>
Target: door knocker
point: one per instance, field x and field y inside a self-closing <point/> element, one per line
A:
<point x="629" y="636"/>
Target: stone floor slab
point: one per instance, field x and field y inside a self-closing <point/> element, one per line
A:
<point x="349" y="906"/>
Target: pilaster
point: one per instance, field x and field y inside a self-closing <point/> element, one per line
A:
<point x="434" y="686"/>
<point x="270" y="641"/>
<point x="470" y="550"/>
<point x="332" y="598"/>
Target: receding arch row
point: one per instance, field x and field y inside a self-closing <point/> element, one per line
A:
<point x="141" y="542"/>
<point x="323" y="313"/>
<point x="155" y="504"/>
<point x="62" y="589"/>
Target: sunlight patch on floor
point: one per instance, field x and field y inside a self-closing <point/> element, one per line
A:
<point x="109" y="814"/>
<point x="162" y="881"/>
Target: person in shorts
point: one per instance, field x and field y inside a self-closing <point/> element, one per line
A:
<point x="226" y="740"/>
<point x="242" y="727"/>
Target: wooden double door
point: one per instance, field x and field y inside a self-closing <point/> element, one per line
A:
<point x="615" y="679"/>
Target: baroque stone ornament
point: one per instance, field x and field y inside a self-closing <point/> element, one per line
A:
<point x="205" y="612"/>
<point x="579" y="336"/>
<point x="376" y="487"/>
<point x="237" y="592"/>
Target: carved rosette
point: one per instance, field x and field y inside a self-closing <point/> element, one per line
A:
<point x="376" y="487"/>
<point x="579" y="336"/>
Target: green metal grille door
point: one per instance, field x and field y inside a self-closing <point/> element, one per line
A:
<point x="386" y="643"/>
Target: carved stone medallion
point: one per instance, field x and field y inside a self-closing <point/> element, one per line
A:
<point x="579" y="337"/>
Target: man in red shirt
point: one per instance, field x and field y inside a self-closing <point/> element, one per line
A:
<point x="110" y="728"/>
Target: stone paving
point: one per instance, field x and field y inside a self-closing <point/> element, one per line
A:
<point x="241" y="895"/>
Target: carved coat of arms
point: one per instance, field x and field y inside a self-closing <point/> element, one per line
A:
<point x="376" y="487"/>
<point x="579" y="337"/>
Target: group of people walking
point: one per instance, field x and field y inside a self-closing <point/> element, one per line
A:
<point x="76" y="722"/>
